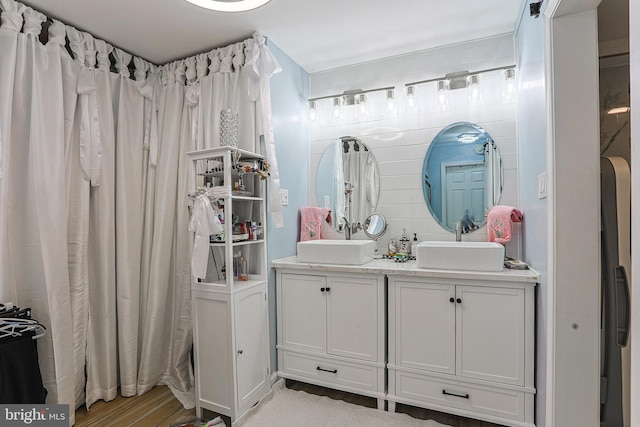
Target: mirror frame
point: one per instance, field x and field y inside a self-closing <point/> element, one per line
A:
<point x="326" y="159"/>
<point x="367" y="224"/>
<point x="479" y="143"/>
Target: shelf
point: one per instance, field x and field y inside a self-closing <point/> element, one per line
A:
<point x="248" y="198"/>
<point x="238" y="243"/>
<point x="219" y="151"/>
<point x="254" y="280"/>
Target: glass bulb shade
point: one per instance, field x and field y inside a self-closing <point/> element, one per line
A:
<point x="229" y="5"/>
<point x="336" y="107"/>
<point x="509" y="74"/>
<point x="473" y="80"/>
<point x="312" y="110"/>
<point x="411" y="91"/>
<point x="362" y="101"/>
<point x="442" y="85"/>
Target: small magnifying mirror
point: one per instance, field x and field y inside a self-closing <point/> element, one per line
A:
<point x="374" y="227"/>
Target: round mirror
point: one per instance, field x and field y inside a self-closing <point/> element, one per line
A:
<point x="374" y="226"/>
<point x="462" y="176"/>
<point x="348" y="182"/>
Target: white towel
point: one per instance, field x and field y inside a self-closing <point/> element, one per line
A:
<point x="204" y="222"/>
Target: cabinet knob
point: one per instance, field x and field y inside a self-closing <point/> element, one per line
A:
<point x="459" y="300"/>
<point x="323" y="289"/>
<point x="240" y="351"/>
<point x="452" y="299"/>
<point x="328" y="289"/>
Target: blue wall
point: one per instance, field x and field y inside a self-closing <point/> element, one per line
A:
<point x="532" y="159"/>
<point x="289" y="95"/>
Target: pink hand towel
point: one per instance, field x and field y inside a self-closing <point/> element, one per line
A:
<point x="311" y="222"/>
<point x="500" y="221"/>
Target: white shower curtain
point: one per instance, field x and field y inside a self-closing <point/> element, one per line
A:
<point x="93" y="206"/>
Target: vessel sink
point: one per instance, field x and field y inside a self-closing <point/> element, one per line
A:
<point x="346" y="252"/>
<point x="477" y="256"/>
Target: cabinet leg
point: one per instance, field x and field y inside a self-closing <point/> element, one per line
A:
<point x="381" y="404"/>
<point x="198" y="411"/>
<point x="392" y="406"/>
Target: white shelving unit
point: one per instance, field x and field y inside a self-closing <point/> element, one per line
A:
<point x="230" y="313"/>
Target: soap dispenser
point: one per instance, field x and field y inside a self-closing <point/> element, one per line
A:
<point x="414" y="245"/>
<point x="404" y="247"/>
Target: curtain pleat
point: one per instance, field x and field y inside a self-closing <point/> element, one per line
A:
<point x="93" y="206"/>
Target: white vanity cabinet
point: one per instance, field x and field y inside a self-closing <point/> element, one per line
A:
<point x="463" y="346"/>
<point x="230" y="311"/>
<point x="331" y="330"/>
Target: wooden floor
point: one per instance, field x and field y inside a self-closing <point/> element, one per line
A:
<point x="156" y="408"/>
<point x="159" y="408"/>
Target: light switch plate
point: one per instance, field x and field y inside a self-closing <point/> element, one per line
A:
<point x="284" y="197"/>
<point x="542" y="185"/>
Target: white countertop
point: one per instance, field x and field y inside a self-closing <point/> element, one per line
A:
<point x="409" y="268"/>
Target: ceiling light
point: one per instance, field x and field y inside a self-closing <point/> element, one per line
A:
<point x="411" y="95"/>
<point x="390" y="100"/>
<point x="336" y="107"/>
<point x="229" y="5"/>
<point x="312" y="110"/>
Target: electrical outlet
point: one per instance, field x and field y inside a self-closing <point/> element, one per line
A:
<point x="542" y="185"/>
<point x="284" y="197"/>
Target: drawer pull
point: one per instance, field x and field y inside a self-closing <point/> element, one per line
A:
<point x="323" y="289"/>
<point x="333" y="371"/>
<point x="452" y="299"/>
<point x="464" y="396"/>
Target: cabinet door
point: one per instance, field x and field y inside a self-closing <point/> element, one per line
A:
<point x="304" y="316"/>
<point x="491" y="334"/>
<point x="352" y="317"/>
<point x="251" y="348"/>
<point x="425" y="326"/>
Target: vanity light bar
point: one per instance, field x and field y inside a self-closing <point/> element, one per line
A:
<point x="352" y="93"/>
<point x="459" y="75"/>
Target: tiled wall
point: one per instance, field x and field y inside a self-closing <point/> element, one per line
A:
<point x="399" y="139"/>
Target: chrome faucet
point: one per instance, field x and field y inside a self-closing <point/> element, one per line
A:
<point x="459" y="231"/>
<point x="347" y="229"/>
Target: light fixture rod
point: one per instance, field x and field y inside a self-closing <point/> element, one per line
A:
<point x="352" y="92"/>
<point x="488" y="70"/>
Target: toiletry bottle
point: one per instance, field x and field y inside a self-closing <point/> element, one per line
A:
<point x="404" y="247"/>
<point x="242" y="275"/>
<point x="414" y="245"/>
<point x="254" y="231"/>
<point x="236" y="264"/>
<point x="391" y="249"/>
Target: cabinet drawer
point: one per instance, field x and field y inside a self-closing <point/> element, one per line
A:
<point x="504" y="403"/>
<point x="352" y="375"/>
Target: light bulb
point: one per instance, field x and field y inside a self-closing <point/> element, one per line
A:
<point x="362" y="101"/>
<point x="390" y="100"/>
<point x="411" y="100"/>
<point x="312" y="110"/>
<point x="336" y="107"/>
